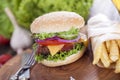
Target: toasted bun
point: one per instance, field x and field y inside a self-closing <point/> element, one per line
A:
<point x="57" y="22"/>
<point x="68" y="60"/>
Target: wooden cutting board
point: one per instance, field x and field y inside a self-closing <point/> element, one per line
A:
<point x="82" y="69"/>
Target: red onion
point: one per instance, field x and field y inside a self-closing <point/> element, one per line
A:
<point x="59" y="39"/>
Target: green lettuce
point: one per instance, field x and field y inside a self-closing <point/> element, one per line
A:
<point x="6" y="27"/>
<point x="27" y="10"/>
<point x="60" y="55"/>
<point x="71" y="34"/>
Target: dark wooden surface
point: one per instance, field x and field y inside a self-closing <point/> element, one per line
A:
<point x="82" y="69"/>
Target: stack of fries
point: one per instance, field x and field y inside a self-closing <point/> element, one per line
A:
<point x="108" y="53"/>
<point x="104" y="35"/>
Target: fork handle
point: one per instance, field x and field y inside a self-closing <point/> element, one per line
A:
<point x="19" y="72"/>
<point x="22" y="70"/>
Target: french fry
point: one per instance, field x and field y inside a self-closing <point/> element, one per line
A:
<point x="114" y="51"/>
<point x="117" y="66"/>
<point x="97" y="54"/>
<point x="107" y="43"/>
<point x="118" y="42"/>
<point x="117" y="4"/>
<point x="104" y="57"/>
<point x="108" y="46"/>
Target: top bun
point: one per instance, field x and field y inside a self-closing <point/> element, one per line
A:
<point x="57" y="22"/>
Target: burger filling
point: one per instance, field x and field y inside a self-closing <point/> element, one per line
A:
<point x="71" y="34"/>
<point x="57" y="46"/>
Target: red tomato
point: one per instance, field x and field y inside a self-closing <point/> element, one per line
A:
<point x="3" y="40"/>
<point x="4" y="58"/>
<point x="51" y="42"/>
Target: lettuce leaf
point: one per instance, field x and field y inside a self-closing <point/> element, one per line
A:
<point x="60" y="55"/>
<point x="71" y="34"/>
<point x="6" y="27"/>
<point x="27" y="10"/>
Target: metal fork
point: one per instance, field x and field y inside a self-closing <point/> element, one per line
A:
<point x="28" y="63"/>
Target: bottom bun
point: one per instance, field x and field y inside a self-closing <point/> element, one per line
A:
<point x="68" y="60"/>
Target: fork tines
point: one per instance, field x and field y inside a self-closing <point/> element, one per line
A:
<point x="30" y="61"/>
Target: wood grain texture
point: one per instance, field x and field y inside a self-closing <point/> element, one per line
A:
<point x="79" y="70"/>
<point x="82" y="69"/>
<point x="10" y="67"/>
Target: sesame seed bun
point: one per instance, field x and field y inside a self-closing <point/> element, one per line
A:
<point x="57" y="22"/>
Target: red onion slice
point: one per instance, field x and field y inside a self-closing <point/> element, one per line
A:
<point x="59" y="39"/>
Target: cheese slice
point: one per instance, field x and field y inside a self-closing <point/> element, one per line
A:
<point x="54" y="48"/>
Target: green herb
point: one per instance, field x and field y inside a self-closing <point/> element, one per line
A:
<point x="60" y="55"/>
<point x="71" y="34"/>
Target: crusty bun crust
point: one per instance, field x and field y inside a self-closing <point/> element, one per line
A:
<point x="68" y="60"/>
<point x="57" y="22"/>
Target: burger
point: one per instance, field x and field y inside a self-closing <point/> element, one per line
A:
<point x="58" y="40"/>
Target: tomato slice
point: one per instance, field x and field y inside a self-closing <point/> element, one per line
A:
<point x="51" y="42"/>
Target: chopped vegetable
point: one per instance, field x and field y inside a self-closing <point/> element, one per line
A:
<point x="50" y="42"/>
<point x="56" y="41"/>
<point x="71" y="34"/>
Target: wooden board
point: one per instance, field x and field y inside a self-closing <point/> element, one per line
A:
<point x="79" y="70"/>
<point x="10" y="67"/>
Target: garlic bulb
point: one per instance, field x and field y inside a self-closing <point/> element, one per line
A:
<point x="21" y="38"/>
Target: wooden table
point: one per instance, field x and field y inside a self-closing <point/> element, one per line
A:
<point x="79" y="70"/>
